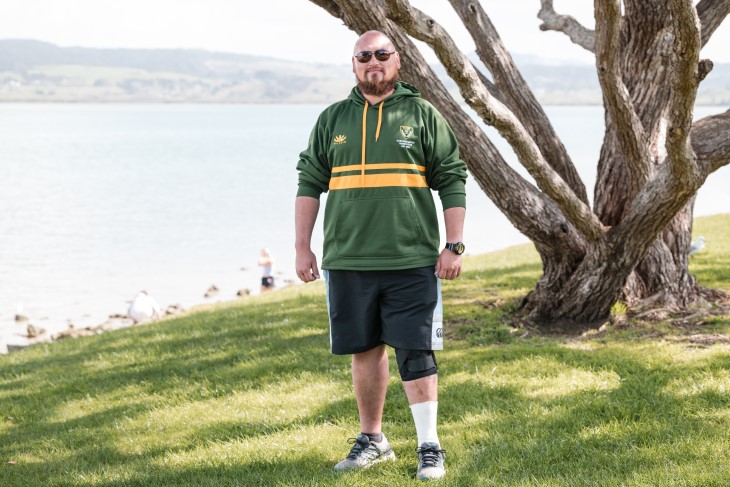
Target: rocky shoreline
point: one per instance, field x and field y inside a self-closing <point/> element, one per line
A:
<point x="25" y="333"/>
<point x="36" y="334"/>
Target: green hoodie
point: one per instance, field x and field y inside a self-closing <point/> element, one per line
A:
<point x="379" y="164"/>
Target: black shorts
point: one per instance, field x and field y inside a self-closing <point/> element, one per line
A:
<point x="400" y="308"/>
<point x="267" y="281"/>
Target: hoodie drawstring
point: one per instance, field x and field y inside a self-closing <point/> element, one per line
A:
<point x="380" y="120"/>
<point x="364" y="134"/>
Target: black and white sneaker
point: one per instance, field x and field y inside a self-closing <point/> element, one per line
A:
<point x="365" y="453"/>
<point x="430" y="461"/>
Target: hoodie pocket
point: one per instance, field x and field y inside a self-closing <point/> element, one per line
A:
<point x="377" y="228"/>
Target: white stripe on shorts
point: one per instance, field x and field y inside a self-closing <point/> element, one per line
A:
<point x="437" y="326"/>
<point x="327" y="298"/>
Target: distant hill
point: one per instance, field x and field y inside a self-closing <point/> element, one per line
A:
<point x="38" y="71"/>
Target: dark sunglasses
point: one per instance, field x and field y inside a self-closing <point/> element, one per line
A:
<point x="366" y="56"/>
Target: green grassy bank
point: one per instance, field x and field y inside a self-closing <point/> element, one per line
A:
<point x="247" y="393"/>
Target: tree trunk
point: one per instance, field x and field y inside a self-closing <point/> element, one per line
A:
<point x="663" y="273"/>
<point x="662" y="276"/>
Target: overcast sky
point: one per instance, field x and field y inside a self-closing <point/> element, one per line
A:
<point x="286" y="29"/>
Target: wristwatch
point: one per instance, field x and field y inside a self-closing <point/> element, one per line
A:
<point x="457" y="248"/>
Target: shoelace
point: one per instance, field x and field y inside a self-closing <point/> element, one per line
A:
<point x="358" y="446"/>
<point x="430" y="456"/>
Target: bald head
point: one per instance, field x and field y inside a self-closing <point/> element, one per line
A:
<point x="373" y="40"/>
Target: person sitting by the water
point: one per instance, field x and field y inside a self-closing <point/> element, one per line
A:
<point x="267" y="263"/>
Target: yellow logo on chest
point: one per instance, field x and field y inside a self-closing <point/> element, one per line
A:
<point x="407" y="139"/>
<point x="340" y="139"/>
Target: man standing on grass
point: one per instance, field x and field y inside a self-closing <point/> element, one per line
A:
<point x="379" y="153"/>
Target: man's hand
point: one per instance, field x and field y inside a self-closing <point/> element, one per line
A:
<point x="449" y="265"/>
<point x="306" y="266"/>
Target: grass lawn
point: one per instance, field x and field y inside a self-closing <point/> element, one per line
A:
<point x="246" y="393"/>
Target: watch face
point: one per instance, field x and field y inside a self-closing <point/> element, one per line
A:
<point x="457" y="248"/>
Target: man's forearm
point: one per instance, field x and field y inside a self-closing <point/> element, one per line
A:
<point x="306" y="209"/>
<point x="454" y="223"/>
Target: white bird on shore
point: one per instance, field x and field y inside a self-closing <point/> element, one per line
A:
<point x="696" y="246"/>
<point x="143" y="308"/>
<point x="19" y="316"/>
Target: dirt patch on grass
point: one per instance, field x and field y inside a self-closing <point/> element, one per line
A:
<point x="702" y="340"/>
<point x="495" y="319"/>
<point x="698" y="327"/>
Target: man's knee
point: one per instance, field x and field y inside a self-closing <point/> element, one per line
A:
<point x="415" y="364"/>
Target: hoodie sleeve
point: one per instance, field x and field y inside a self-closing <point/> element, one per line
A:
<point x="445" y="171"/>
<point x="313" y="166"/>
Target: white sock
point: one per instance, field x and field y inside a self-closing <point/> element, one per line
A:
<point x="424" y="415"/>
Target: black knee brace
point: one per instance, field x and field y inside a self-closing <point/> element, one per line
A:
<point x="414" y="364"/>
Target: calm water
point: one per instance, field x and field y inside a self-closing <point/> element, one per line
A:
<point x="98" y="202"/>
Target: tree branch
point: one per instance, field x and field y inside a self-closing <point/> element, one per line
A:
<point x="566" y="24"/>
<point x="629" y="130"/>
<point x="685" y="80"/>
<point x="330" y="6"/>
<point x="711" y="142"/>
<point x="495" y="113"/>
<point x="491" y="87"/>
<point x="711" y="14"/>
<point x="517" y="94"/>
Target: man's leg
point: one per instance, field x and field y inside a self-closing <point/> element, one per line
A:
<point x="370" y="379"/>
<point x="422" y="390"/>
<point x="422" y="393"/>
<point x="423" y="399"/>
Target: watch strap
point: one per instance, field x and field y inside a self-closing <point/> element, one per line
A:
<point x="456" y="247"/>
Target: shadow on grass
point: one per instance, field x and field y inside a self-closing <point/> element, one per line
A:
<point x="584" y="437"/>
<point x="589" y="437"/>
<point x="306" y="470"/>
